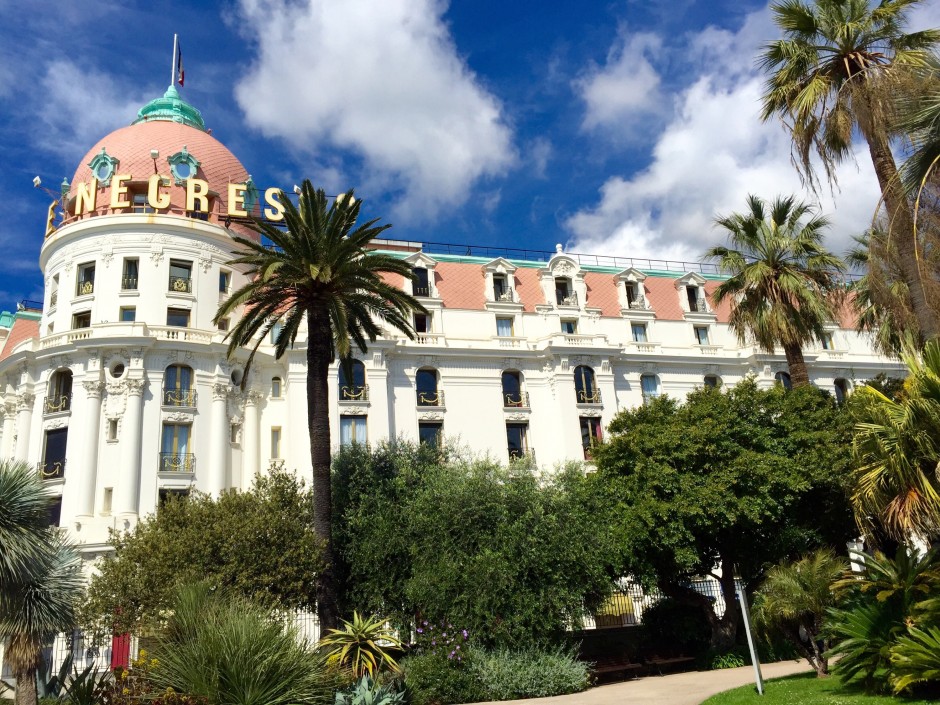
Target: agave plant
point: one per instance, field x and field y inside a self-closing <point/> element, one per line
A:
<point x="367" y="692"/>
<point x="361" y="646"/>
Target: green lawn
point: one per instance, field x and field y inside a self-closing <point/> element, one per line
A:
<point x="806" y="689"/>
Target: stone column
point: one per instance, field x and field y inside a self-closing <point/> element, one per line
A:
<point x="9" y="428"/>
<point x="88" y="468"/>
<point x="128" y="489"/>
<point x="250" y="440"/>
<point x="24" y="411"/>
<point x="218" y="440"/>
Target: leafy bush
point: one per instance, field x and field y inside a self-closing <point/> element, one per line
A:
<point x="229" y="650"/>
<point x="731" y="659"/>
<point x="368" y="692"/>
<point x="531" y="673"/>
<point x="432" y="678"/>
<point x="675" y="628"/>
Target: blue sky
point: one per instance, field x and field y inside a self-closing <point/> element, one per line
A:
<point x="617" y="128"/>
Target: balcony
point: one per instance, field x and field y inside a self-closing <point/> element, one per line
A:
<point x="645" y="348"/>
<point x="51" y="470"/>
<point x="421" y="290"/>
<point x="434" y="399"/>
<point x="518" y="400"/>
<point x="640" y="304"/>
<point x="177" y="462"/>
<point x="180" y="285"/>
<point x="179" y="397"/>
<point x="587" y="396"/>
<point x="563" y="299"/>
<point x="504" y="296"/>
<point x="429" y="338"/>
<point x="706" y="349"/>
<point x="56" y="403"/>
<point x="517" y="454"/>
<point x="129" y="283"/>
<point x="354" y="393"/>
<point x="85" y="287"/>
<point x="700" y="306"/>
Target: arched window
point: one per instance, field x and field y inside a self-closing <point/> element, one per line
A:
<point x="276" y="389"/>
<point x="513" y="396"/>
<point x="713" y="381"/>
<point x="178" y="386"/>
<point x="784" y="379"/>
<point x="354" y="388"/>
<point x="426" y="388"/>
<point x="585" y="389"/>
<point x="842" y="390"/>
<point x="59" y="397"/>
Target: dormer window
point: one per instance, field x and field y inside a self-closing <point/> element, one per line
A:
<point x="500" y="288"/>
<point x="696" y="301"/>
<point x="564" y="296"/>
<point x="421" y="285"/>
<point x="691" y="291"/>
<point x="631" y="293"/>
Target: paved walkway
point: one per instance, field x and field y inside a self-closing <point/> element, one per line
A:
<point x="676" y="689"/>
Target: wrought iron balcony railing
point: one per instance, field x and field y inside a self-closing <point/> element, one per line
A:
<point x="422" y="290"/>
<point x="700" y="306"/>
<point x="586" y="396"/>
<point x="179" y="397"/>
<point x="86" y="286"/>
<point x="354" y="393"/>
<point x="177" y="462"/>
<point x="430" y="398"/>
<point x="517" y="400"/>
<point x="53" y="299"/>
<point x="57" y="402"/>
<point x="181" y="285"/>
<point x="52" y="470"/>
<point x="566" y="299"/>
<point x="129" y="283"/>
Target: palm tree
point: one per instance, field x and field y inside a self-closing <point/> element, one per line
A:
<point x="782" y="279"/>
<point x="794" y="598"/>
<point x="319" y="272"/>
<point x="838" y="68"/>
<point x="897" y="453"/>
<point x="40" y="576"/>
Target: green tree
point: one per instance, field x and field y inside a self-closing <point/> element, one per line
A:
<point x="739" y="478"/>
<point x="510" y="556"/>
<point x="837" y="69"/>
<point x="793" y="600"/>
<point x="40" y="576"/>
<point x="319" y="272"/>
<point x="782" y="280"/>
<point x="897" y="453"/>
<point x="259" y="544"/>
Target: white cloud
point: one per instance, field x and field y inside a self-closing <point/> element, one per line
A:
<point x="711" y="154"/>
<point x="383" y="80"/>
<point x="622" y="95"/>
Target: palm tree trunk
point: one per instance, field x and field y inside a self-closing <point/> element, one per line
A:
<point x="319" y="355"/>
<point x="901" y="229"/>
<point x="799" y="376"/>
<point x="26" y="686"/>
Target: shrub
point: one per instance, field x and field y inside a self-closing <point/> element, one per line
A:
<point x="731" y="659"/>
<point x="676" y="628"/>
<point x="432" y="678"/>
<point x="530" y="673"/>
<point x="915" y="659"/>
<point x="228" y="649"/>
<point x="361" y="646"/>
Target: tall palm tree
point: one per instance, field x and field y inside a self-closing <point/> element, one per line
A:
<point x="783" y="281"/>
<point x="838" y="68"/>
<point x="40" y="576"/>
<point x="319" y="272"/>
<point x="897" y="453"/>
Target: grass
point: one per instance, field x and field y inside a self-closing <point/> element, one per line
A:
<point x="806" y="689"/>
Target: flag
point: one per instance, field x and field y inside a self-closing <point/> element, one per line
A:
<point x="179" y="65"/>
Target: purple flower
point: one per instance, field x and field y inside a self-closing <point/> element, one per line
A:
<point x="464" y="633"/>
<point x="433" y="642"/>
<point x="420" y="630"/>
<point x="425" y="622"/>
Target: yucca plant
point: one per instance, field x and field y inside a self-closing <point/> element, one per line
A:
<point x="915" y="658"/>
<point x="361" y="646"/>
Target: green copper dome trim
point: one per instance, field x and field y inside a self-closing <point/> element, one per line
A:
<point x="171" y="108"/>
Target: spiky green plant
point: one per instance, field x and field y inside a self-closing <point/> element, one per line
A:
<point x="915" y="658"/>
<point x="319" y="272"/>
<point x="24" y="512"/>
<point x="361" y="646"/>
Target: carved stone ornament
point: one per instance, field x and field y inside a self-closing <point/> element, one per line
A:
<point x="711" y="369"/>
<point x="253" y="396"/>
<point x="135" y="387"/>
<point x="377" y="359"/>
<point x="563" y="267"/>
<point x="178" y="416"/>
<point x="93" y="388"/>
<point x="353" y="411"/>
<point x="156" y="255"/>
<point x="589" y="412"/>
<point x="51" y="424"/>
<point x="220" y="391"/>
<point x="430" y="416"/>
<point x="25" y="402"/>
<point x="517" y="417"/>
<point x="605" y="365"/>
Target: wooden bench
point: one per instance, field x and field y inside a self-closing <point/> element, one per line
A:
<point x="614" y="665"/>
<point x="666" y="663"/>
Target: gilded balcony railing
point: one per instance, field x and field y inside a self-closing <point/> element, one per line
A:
<point x="53" y="470"/>
<point x="177" y="462"/>
<point x="179" y="397"/>
<point x="589" y="397"/>
<point x="57" y="402"/>
<point x="86" y="286"/>
<point x="430" y="398"/>
<point x="517" y="400"/>
<point x="182" y="285"/>
<point x="354" y="393"/>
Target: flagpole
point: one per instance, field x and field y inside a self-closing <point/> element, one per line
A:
<point x="173" y="67"/>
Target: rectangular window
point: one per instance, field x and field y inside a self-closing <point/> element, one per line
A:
<point x="691" y="293"/>
<point x="223" y="325"/>
<point x="128" y="314"/>
<point x="86" y="279"/>
<point x="112" y="429"/>
<point x="421" y="283"/>
<point x="631" y="292"/>
<point x="55" y="512"/>
<point x="827" y="343"/>
<point x="429" y="432"/>
<point x="590" y="433"/>
<point x="53" y="454"/>
<point x="639" y="332"/>
<point x="276" y="387"/>
<point x="233" y="433"/>
<point x="54" y="294"/>
<point x="171" y="495"/>
<point x="650" y="386"/>
<point x="701" y="335"/>
<point x="181" y="277"/>
<point x="352" y="429"/>
<point x="129" y="277"/>
<point x="504" y="327"/>
<point x="275" y="441"/>
<point x="175" y="439"/>
<point x="569" y="326"/>
<point x="139" y="203"/>
<point x="422" y="323"/>
<point x="517" y="439"/>
<point x="177" y="317"/>
<point x="82" y="320"/>
<point x="500" y="289"/>
<point x="106" y="500"/>
<point x="225" y="280"/>
<point x="275" y="332"/>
